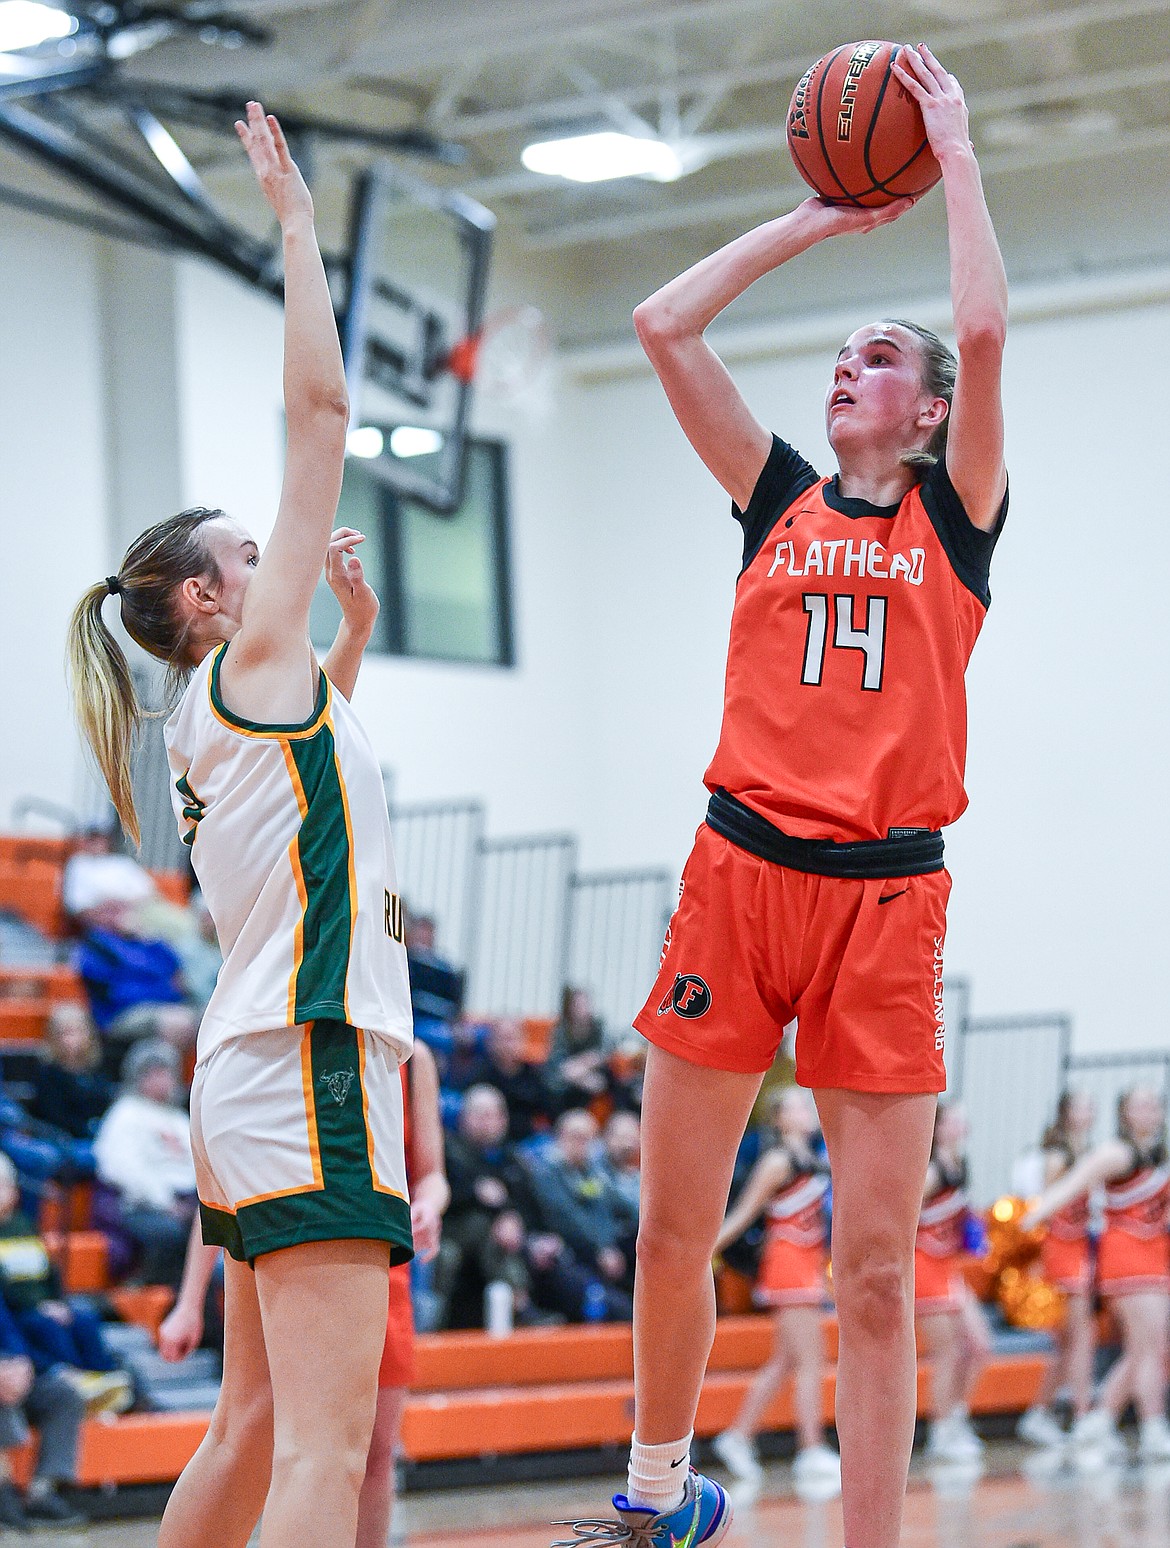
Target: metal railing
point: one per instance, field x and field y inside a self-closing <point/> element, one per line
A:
<point x="617" y="920"/>
<point x="437" y="854"/>
<point x="519" y="958"/>
<point x="1105" y="1077"/>
<point x="1008" y="1072"/>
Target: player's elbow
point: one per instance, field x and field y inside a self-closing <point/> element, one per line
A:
<point x="983" y="337"/>
<point x="655" y="326"/>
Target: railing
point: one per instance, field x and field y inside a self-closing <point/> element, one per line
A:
<point x="1105" y="1077"/>
<point x="616" y="924"/>
<point x="519" y="959"/>
<point x="1008" y="1072"/>
<point x="436" y="850"/>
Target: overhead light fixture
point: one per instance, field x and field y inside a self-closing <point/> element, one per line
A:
<point x="26" y="24"/>
<point x="365" y="441"/>
<point x="596" y="158"/>
<point x="414" y="441"/>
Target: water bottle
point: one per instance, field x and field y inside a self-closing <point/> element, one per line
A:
<point x="595" y="1302"/>
<point x="498" y="1308"/>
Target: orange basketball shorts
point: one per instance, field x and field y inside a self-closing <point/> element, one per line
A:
<point x="1127" y="1265"/>
<point x="791" y="1275"/>
<point x="753" y="945"/>
<point x="397" y="1367"/>
<point x="938" y="1283"/>
<point x="1065" y="1264"/>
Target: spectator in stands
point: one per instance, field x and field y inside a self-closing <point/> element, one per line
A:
<point x="576" y="1055"/>
<point x="621" y="1161"/>
<point x="485" y="1231"/>
<point x="502" y="1063"/>
<point x="126" y="977"/>
<point x="69" y="1091"/>
<point x="199" y="953"/>
<point x="57" y="1332"/>
<point x="577" y="1203"/>
<point x="100" y="882"/>
<point x="436" y="989"/>
<point x="54" y="1405"/>
<point x="143" y="1152"/>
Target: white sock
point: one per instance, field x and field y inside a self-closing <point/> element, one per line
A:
<point x="658" y="1474"/>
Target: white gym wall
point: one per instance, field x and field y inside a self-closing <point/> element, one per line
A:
<point x="624" y="561"/>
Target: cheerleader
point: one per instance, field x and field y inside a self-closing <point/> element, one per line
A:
<point x="1066" y="1264"/>
<point x="951" y="1324"/>
<point x="788" y="1184"/>
<point x="1133" y="1268"/>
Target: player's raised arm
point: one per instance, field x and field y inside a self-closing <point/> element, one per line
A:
<point x="274" y="631"/>
<point x="978" y="291"/>
<point x="670" y="325"/>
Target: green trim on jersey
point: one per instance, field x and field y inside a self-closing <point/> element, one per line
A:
<point x="348" y="1206"/>
<point x="259" y="728"/>
<point x="323" y="852"/>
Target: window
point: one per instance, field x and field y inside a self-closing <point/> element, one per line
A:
<point x="444" y="581"/>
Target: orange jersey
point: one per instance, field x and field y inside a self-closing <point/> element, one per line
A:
<point x="797" y="1212"/>
<point x="1139" y="1204"/>
<point x="845" y="711"/>
<point x="943" y="1215"/>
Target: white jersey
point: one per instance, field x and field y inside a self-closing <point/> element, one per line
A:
<point x="290" y="840"/>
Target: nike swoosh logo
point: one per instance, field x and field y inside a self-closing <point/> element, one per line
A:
<point x="890" y="896"/>
<point x="679" y="1463"/>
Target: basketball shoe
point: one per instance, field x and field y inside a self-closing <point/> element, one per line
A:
<point x="703" y="1518"/>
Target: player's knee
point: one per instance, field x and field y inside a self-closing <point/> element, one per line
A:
<point x="875" y="1294"/>
<point x="245" y="1424"/>
<point x="668" y="1245"/>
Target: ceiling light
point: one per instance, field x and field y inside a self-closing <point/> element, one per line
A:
<point x="414" y="441"/>
<point x="25" y="24"/>
<point x="594" y="158"/>
<point x="365" y="441"/>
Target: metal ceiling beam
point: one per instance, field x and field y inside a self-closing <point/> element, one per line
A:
<point x="773" y="200"/>
<point x="761" y="137"/>
<point x="1006" y="29"/>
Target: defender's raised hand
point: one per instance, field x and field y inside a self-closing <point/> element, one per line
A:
<point x="276" y="171"/>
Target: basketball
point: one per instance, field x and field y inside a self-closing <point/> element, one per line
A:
<point x="855" y="133"/>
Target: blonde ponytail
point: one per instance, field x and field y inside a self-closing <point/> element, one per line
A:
<point x="107" y="706"/>
<point x="104" y="700"/>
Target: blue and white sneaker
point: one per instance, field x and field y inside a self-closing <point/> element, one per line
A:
<point x="703" y="1518"/>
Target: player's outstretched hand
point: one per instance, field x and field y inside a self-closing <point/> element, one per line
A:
<point x="347" y="581"/>
<point x="940" y="100"/>
<point x="849" y="219"/>
<point x="276" y="171"/>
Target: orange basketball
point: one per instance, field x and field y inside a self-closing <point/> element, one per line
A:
<point x="855" y="133"/>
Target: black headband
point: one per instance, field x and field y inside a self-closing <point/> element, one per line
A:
<point x="114" y="585"/>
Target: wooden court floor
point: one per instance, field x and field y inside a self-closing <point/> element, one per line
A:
<point x="1018" y="1502"/>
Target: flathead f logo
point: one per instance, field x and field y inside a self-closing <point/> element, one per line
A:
<point x="688" y="997"/>
<point x="338" y="1085"/>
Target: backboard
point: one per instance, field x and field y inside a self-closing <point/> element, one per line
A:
<point x="419" y="260"/>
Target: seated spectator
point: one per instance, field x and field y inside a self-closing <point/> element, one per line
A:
<point x="576" y="1202"/>
<point x="621" y="1163"/>
<point x="577" y="1054"/>
<point x="199" y="953"/>
<point x="70" y="1093"/>
<point x="55" y="1331"/>
<point x="484" y="1231"/>
<point x="126" y="976"/>
<point x="143" y="1154"/>
<point x="52" y="1403"/>
<point x="100" y="883"/>
<point x="501" y="1062"/>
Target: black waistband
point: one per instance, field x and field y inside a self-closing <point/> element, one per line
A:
<point x="915" y="852"/>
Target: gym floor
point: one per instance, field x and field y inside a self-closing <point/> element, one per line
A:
<point x="1022" y="1500"/>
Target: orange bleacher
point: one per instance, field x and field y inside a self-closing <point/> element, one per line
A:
<point x="539" y="1390"/>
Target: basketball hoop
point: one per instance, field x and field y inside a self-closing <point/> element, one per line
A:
<point x="506" y="357"/>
